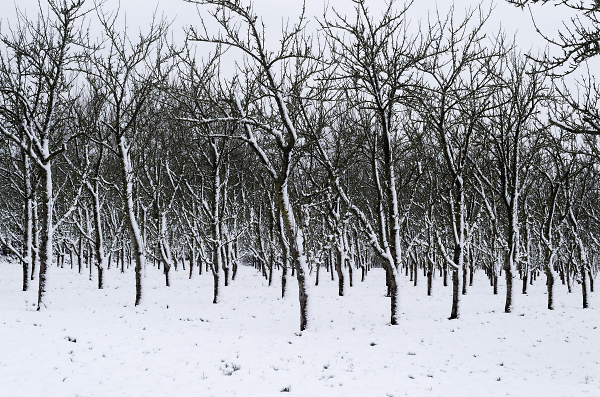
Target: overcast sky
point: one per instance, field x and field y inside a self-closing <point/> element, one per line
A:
<point x="139" y="13"/>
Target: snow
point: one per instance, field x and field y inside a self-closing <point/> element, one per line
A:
<point x="93" y="342"/>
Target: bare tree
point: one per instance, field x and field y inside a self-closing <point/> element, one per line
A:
<point x="510" y="134"/>
<point x="263" y="102"/>
<point x="38" y="78"/>
<point x="126" y="73"/>
<point x="453" y="102"/>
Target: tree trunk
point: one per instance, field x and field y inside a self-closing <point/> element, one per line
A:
<point x="100" y="279"/>
<point x="216" y="286"/>
<point x="270" y="275"/>
<point x="464" y="278"/>
<point x="340" y="274"/>
<point x="283" y="280"/>
<point x="584" y="287"/>
<point x="296" y="243"/>
<point x="137" y="242"/>
<point x="123" y="258"/>
<point x="429" y="278"/>
<point x="36" y="239"/>
<point x="455" y="283"/>
<point x="445" y="271"/>
<point x="415" y="271"/>
<point x="349" y="262"/>
<point x="495" y="279"/>
<point x="509" y="280"/>
<point x="27" y="221"/>
<point x="47" y="229"/>
<point x="166" y="269"/>
<point x="98" y="242"/>
<point x="550" y="285"/>
<point x="192" y="261"/>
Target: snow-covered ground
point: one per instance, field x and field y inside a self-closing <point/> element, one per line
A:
<point x="93" y="342"/>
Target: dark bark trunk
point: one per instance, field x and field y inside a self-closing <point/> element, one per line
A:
<point x="471" y="273"/>
<point x="584" y="288"/>
<point x="317" y="280"/>
<point x="349" y="273"/>
<point x="394" y="302"/>
<point x="340" y="274"/>
<point x="166" y="270"/>
<point x="25" y="275"/>
<point x="455" y="283"/>
<point x="429" y="278"/>
<point x="464" y="279"/>
<point x="415" y="271"/>
<point x="100" y="277"/>
<point x="46" y="232"/>
<point x="270" y="275"/>
<point x="302" y="297"/>
<point x="445" y="271"/>
<point x="36" y="240"/>
<point x="283" y="280"/>
<point x="509" y="283"/>
<point x="216" y="287"/>
<point x="550" y="285"/>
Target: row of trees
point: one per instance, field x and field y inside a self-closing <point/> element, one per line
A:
<point x="438" y="148"/>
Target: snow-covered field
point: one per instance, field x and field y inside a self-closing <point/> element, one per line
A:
<point x="93" y="342"/>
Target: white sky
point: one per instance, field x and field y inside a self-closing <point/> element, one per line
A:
<point x="514" y="21"/>
<point x="139" y="13"/>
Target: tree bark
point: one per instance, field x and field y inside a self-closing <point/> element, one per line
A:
<point x="137" y="242"/>
<point x="47" y="229"/>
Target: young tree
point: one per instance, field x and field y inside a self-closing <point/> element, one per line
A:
<point x="510" y="133"/>
<point x="453" y="102"/>
<point x="264" y="103"/>
<point x="38" y="78"/>
<point x="127" y="73"/>
<point x="375" y="62"/>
